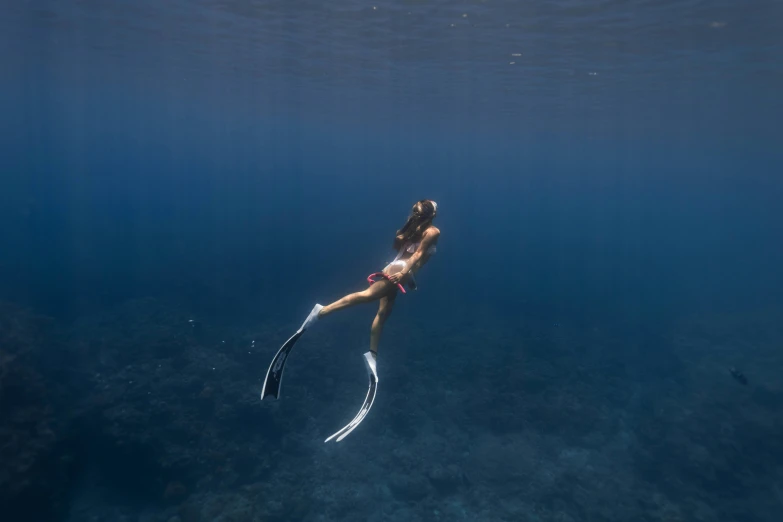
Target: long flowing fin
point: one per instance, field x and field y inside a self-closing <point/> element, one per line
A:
<point x="274" y="375"/>
<point x="369" y="361"/>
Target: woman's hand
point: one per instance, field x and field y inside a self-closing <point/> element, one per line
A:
<point x="396" y="278"/>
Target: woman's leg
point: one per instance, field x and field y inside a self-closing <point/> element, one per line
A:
<point x="384" y="311"/>
<point x="373" y="293"/>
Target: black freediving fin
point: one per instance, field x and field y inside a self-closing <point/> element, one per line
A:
<point x="274" y="375"/>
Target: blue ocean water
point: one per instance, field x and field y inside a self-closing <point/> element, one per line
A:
<point x="180" y="182"/>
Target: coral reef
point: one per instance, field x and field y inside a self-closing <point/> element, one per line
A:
<point x="160" y="413"/>
<point x="30" y="421"/>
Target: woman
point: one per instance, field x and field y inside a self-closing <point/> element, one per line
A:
<point x="415" y="243"/>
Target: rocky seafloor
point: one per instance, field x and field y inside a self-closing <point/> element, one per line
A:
<point x="146" y="413"/>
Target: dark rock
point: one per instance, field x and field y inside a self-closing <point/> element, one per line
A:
<point x="33" y="478"/>
<point x="409" y="488"/>
<point x="175" y="491"/>
<point x="190" y="512"/>
<point x="447" y="479"/>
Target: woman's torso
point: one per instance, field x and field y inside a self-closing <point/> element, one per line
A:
<point x="410" y="248"/>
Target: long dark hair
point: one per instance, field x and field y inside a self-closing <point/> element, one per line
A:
<point x="422" y="214"/>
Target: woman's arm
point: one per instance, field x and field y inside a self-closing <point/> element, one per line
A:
<point x="430" y="236"/>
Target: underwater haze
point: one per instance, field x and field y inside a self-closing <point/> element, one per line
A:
<point x="599" y="336"/>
